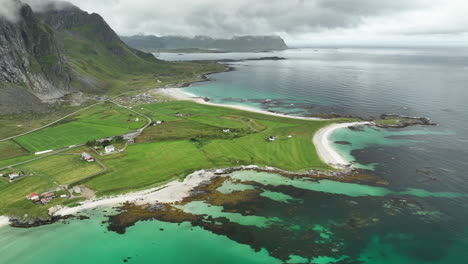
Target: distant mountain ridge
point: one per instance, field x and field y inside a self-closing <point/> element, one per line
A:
<point x="242" y="43"/>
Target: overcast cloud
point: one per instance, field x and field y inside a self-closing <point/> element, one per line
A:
<point x="299" y="21"/>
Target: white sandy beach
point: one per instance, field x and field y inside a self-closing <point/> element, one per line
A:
<point x="325" y="148"/>
<point x="4" y="220"/>
<point x="169" y="193"/>
<point x="177" y="94"/>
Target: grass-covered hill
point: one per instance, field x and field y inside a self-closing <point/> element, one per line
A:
<point x="60" y="51"/>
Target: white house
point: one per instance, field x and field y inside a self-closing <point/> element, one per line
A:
<point x="158" y="122"/>
<point x="86" y="157"/>
<point x="13" y="175"/>
<point x="227" y="130"/>
<point x="109" y="149"/>
<point x="137" y="119"/>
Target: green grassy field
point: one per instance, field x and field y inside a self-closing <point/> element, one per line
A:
<point x="185" y="144"/>
<point x="164" y="152"/>
<point x="62" y="169"/>
<point x="44" y="174"/>
<point x="10" y="149"/>
<point x="95" y="123"/>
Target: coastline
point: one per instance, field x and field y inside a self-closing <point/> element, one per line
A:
<point x="177" y="94"/>
<point x="176" y="191"/>
<point x="321" y="140"/>
<point x="324" y="146"/>
<point x="172" y="192"/>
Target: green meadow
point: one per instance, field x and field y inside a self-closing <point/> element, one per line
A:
<point x="94" y="123"/>
<point x="42" y="175"/>
<point x="196" y="141"/>
<point x="165" y="152"/>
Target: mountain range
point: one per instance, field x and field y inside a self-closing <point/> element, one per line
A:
<point x="151" y="43"/>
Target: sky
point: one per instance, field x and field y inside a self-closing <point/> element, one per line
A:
<point x="299" y="22"/>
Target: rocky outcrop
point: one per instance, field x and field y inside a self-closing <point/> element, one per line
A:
<point x="30" y="59"/>
<point x="400" y="121"/>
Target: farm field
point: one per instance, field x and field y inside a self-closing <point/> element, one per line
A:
<point x="182" y="144"/>
<point x="44" y="174"/>
<point x="95" y="123"/>
<point x="62" y="169"/>
<point x="185" y="144"/>
<point x="10" y="149"/>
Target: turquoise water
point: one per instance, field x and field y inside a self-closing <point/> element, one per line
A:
<point x="420" y="218"/>
<point x="88" y="241"/>
<point x="373" y="136"/>
<point x="335" y="187"/>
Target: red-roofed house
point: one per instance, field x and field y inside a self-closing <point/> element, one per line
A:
<point x="33" y="196"/>
<point x="86" y="157"/>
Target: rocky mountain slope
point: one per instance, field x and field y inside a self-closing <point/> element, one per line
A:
<point x="32" y="65"/>
<point x="63" y="52"/>
<point x="240" y="44"/>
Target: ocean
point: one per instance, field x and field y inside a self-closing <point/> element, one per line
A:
<point x="421" y="217"/>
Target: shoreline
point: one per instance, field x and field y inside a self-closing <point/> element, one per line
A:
<point x="169" y="193"/>
<point x="321" y="140"/>
<point x="324" y="146"/>
<point x="177" y="94"/>
<point x="176" y="191"/>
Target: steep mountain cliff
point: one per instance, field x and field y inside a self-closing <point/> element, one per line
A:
<point x="31" y="63"/>
<point x="61" y="50"/>
<point x="244" y="43"/>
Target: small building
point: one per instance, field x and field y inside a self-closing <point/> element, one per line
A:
<point x="109" y="139"/>
<point x="179" y="114"/>
<point x="76" y="189"/>
<point x="137" y="119"/>
<point x="44" y="201"/>
<point x="49" y="196"/>
<point x="87" y="157"/>
<point x="131" y="141"/>
<point x="272" y="138"/>
<point x="109" y="149"/>
<point x="33" y="196"/>
<point x="13" y="176"/>
<point x="159" y="122"/>
<point x="63" y="196"/>
<point x="227" y="130"/>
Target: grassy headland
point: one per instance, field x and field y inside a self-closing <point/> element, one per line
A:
<point x="200" y="137"/>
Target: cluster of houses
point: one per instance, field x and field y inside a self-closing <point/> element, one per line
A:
<point x="13" y="176"/>
<point x="44" y="198"/>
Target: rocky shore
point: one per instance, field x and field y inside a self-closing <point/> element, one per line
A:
<point x="400" y="121"/>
